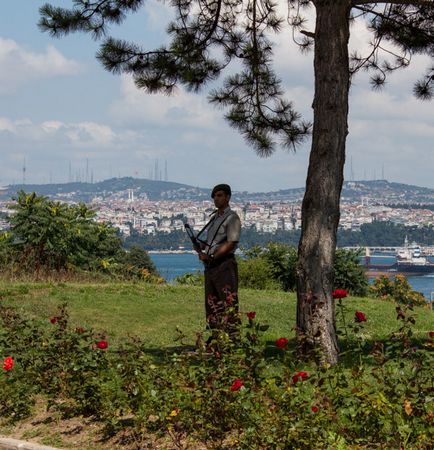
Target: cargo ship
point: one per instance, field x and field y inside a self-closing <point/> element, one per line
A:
<point x="409" y="259"/>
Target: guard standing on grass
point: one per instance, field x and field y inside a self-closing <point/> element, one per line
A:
<point x="221" y="271"/>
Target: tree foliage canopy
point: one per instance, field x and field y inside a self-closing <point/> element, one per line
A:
<point x="49" y="235"/>
<point x="207" y="35"/>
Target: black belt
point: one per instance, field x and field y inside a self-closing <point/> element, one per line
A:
<point x="216" y="262"/>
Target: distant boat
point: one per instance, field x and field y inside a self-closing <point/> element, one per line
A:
<point x="409" y="251"/>
<point x="409" y="259"/>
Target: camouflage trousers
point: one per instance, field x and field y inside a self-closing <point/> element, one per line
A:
<point x="221" y="295"/>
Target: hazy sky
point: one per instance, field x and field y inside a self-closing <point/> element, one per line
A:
<point x="60" y="112"/>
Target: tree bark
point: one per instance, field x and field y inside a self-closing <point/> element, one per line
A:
<point x="316" y="326"/>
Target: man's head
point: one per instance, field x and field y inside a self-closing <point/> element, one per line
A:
<point x="221" y="195"/>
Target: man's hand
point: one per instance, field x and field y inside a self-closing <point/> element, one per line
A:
<point x="203" y="256"/>
<point x="197" y="248"/>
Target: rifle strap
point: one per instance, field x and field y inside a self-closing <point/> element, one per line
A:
<point x="210" y="244"/>
<point x="213" y="214"/>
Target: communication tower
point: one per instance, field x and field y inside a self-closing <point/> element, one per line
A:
<point x="24" y="171"/>
<point x="156" y="171"/>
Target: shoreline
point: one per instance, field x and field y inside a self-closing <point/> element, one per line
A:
<point x="171" y="252"/>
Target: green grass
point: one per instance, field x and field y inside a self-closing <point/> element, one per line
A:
<point x="153" y="312"/>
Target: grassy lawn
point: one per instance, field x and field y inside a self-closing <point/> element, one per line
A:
<point x="153" y="312"/>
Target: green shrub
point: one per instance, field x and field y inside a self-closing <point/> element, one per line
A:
<point x="16" y="395"/>
<point x="396" y="289"/>
<point x="349" y="273"/>
<point x="281" y="260"/>
<point x="52" y="237"/>
<point x="256" y="273"/>
<point x="139" y="258"/>
<point x="281" y="264"/>
<point x="190" y="279"/>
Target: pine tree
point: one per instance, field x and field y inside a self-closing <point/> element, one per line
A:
<point x="207" y="35"/>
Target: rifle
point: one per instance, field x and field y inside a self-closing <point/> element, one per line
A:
<point x="194" y="239"/>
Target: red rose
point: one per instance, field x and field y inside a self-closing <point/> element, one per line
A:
<point x="54" y="320"/>
<point x="300" y="376"/>
<point x="314" y="409"/>
<point x="431" y="334"/>
<point x="251" y="315"/>
<point x="281" y="342"/>
<point x="8" y="363"/>
<point x="102" y="344"/>
<point x="339" y="293"/>
<point x="237" y="385"/>
<point x="360" y="317"/>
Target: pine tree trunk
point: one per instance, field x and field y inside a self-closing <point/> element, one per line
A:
<point x="316" y="328"/>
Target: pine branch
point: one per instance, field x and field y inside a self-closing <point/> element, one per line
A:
<point x="394" y="2"/>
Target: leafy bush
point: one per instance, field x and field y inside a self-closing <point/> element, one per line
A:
<point x="16" y="393"/>
<point x="48" y="236"/>
<point x="279" y="262"/>
<point x="256" y="273"/>
<point x="396" y="289"/>
<point x="349" y="273"/>
<point x="139" y="258"/>
<point x="190" y="279"/>
<point x="241" y="394"/>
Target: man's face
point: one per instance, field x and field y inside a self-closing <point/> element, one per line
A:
<point x="221" y="199"/>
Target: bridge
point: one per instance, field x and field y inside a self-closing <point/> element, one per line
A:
<point x="428" y="250"/>
<point x="374" y="249"/>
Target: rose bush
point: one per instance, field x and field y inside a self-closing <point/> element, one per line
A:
<point x="242" y="394"/>
<point x="8" y="363"/>
<point x="340" y="293"/>
<point x="281" y="342"/>
<point x="300" y="376"/>
<point x="103" y="344"/>
<point x="236" y="385"/>
<point x="360" y="316"/>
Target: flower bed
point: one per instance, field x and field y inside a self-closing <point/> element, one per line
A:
<point x="245" y="393"/>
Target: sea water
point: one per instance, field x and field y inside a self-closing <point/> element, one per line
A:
<point x="172" y="265"/>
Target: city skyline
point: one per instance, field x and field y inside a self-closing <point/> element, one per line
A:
<point x="61" y="114"/>
<point x="83" y="173"/>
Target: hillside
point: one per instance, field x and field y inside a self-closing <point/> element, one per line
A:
<point x="85" y="192"/>
<point x="379" y="191"/>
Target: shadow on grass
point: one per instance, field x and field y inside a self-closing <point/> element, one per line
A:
<point x="351" y="352"/>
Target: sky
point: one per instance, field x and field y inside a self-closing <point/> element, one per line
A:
<point x="64" y="118"/>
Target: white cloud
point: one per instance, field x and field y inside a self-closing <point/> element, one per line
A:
<point x="137" y="108"/>
<point x="6" y="125"/>
<point x="51" y="126"/>
<point x="24" y="66"/>
<point x="82" y="134"/>
<point x="90" y="133"/>
<point x="158" y="14"/>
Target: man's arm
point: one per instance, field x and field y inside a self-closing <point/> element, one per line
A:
<point x="223" y="250"/>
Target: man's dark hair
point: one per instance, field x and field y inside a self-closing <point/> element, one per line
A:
<point x="221" y="187"/>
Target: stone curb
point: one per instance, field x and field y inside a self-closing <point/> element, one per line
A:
<point x="15" y="444"/>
